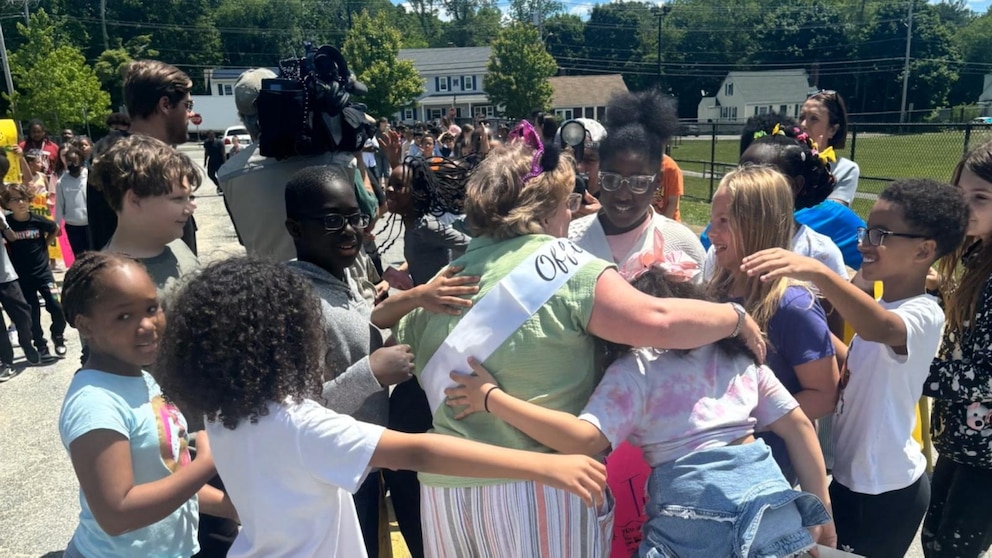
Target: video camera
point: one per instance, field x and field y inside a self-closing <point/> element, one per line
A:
<point x="307" y="110"/>
<point x="583" y="136"/>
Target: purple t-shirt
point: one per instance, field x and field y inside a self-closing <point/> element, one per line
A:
<point x="797" y="334"/>
<point x="673" y="403"/>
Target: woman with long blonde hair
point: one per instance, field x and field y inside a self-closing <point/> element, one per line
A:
<point x="752" y="211"/>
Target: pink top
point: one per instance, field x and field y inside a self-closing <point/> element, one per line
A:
<point x="622" y="244"/>
<point x="672" y="403"/>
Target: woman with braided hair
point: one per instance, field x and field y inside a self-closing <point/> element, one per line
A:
<point x="425" y="195"/>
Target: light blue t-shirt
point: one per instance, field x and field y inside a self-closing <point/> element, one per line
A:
<point x="134" y="407"/>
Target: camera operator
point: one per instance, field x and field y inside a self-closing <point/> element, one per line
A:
<point x="254" y="189"/>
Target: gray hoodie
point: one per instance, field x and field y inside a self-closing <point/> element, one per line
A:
<point x="349" y="388"/>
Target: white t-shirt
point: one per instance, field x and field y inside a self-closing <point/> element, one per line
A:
<point x="873" y="424"/>
<point x="846" y="173"/>
<point x="806" y="242"/>
<point x="156" y="432"/>
<point x="290" y="475"/>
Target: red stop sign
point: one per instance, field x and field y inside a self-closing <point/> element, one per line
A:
<point x="196" y="119"/>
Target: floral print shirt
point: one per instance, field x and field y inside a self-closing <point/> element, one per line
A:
<point x="960" y="382"/>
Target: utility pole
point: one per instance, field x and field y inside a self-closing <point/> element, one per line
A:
<point x="660" y="14"/>
<point x="27" y="13"/>
<point x="103" y="24"/>
<point x="6" y="68"/>
<point x="905" y="69"/>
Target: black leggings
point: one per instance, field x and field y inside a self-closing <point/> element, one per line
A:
<point x="959" y="521"/>
<point x="879" y="525"/>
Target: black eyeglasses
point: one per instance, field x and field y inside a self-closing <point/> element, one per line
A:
<point x="189" y="105"/>
<point x="638" y="184"/>
<point x="335" y="221"/>
<point x="876" y="236"/>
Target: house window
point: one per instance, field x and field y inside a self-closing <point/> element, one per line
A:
<point x="733" y="113"/>
<point x="563" y="114"/>
<point x="485" y="110"/>
<point x="795" y="113"/>
<point x="220" y="88"/>
<point x="408" y="114"/>
<point x="441" y="83"/>
<point x="762" y="111"/>
<point x="728" y="89"/>
<point x="600" y="113"/>
<point x="590" y="112"/>
<point x="228" y="90"/>
<point x="783" y="109"/>
<point x="435" y="113"/>
<point x="468" y="83"/>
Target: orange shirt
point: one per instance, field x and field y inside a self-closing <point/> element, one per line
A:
<point x="671" y="185"/>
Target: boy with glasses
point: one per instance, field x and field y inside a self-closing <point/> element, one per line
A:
<point x="880" y="491"/>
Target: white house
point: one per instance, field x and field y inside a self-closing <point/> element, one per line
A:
<point x="746" y="94"/>
<point x="217" y="108"/>
<point x="584" y="96"/>
<point x="985" y="99"/>
<point x="452" y="79"/>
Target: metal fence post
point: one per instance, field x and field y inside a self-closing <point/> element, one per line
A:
<point x="854" y="139"/>
<point x="712" y="158"/>
<point x="967" y="137"/>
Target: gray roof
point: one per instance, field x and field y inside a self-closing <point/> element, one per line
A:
<point x="769" y="86"/>
<point x="445" y="61"/>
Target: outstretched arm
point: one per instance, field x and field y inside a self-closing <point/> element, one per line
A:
<point x="869" y="319"/>
<point x="557" y="430"/>
<point x="442" y="295"/>
<point x="448" y="455"/>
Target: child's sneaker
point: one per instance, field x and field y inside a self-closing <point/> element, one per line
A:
<point x="6" y="372"/>
<point x="46" y="356"/>
<point x="60" y="349"/>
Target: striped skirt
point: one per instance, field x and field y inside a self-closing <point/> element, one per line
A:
<point x="513" y="520"/>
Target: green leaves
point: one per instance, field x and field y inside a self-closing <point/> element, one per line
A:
<point x="52" y="80"/>
<point x="372" y="48"/>
<point x="519" y="69"/>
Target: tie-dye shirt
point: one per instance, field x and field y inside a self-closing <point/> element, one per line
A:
<point x="672" y="403"/>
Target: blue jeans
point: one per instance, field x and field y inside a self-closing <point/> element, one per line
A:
<point x="729" y="501"/>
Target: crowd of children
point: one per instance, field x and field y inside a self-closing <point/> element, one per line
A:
<point x="275" y="378"/>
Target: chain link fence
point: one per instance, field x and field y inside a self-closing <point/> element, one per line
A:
<point x="883" y="151"/>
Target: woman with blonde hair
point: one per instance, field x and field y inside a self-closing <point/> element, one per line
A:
<point x="752" y="211"/>
<point x="542" y="303"/>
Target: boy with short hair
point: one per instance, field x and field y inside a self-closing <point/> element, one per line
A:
<point x="880" y="491"/>
<point x="28" y="248"/>
<point x="12" y="300"/>
<point x="149" y="185"/>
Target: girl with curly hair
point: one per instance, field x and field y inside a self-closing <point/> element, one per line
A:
<point x="638" y="126"/>
<point x="244" y="347"/>
<point x="139" y="490"/>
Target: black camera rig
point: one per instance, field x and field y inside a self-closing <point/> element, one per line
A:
<point x="307" y="110"/>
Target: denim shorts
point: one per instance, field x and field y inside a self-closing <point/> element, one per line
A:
<point x="730" y="501"/>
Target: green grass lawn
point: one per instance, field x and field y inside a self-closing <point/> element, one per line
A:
<point x="881" y="157"/>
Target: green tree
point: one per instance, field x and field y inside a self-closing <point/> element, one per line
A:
<point x="52" y="80"/>
<point x="371" y="48"/>
<point x="565" y="41"/>
<point x="519" y="68"/>
<point x="259" y="32"/>
<point x="109" y="66"/>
